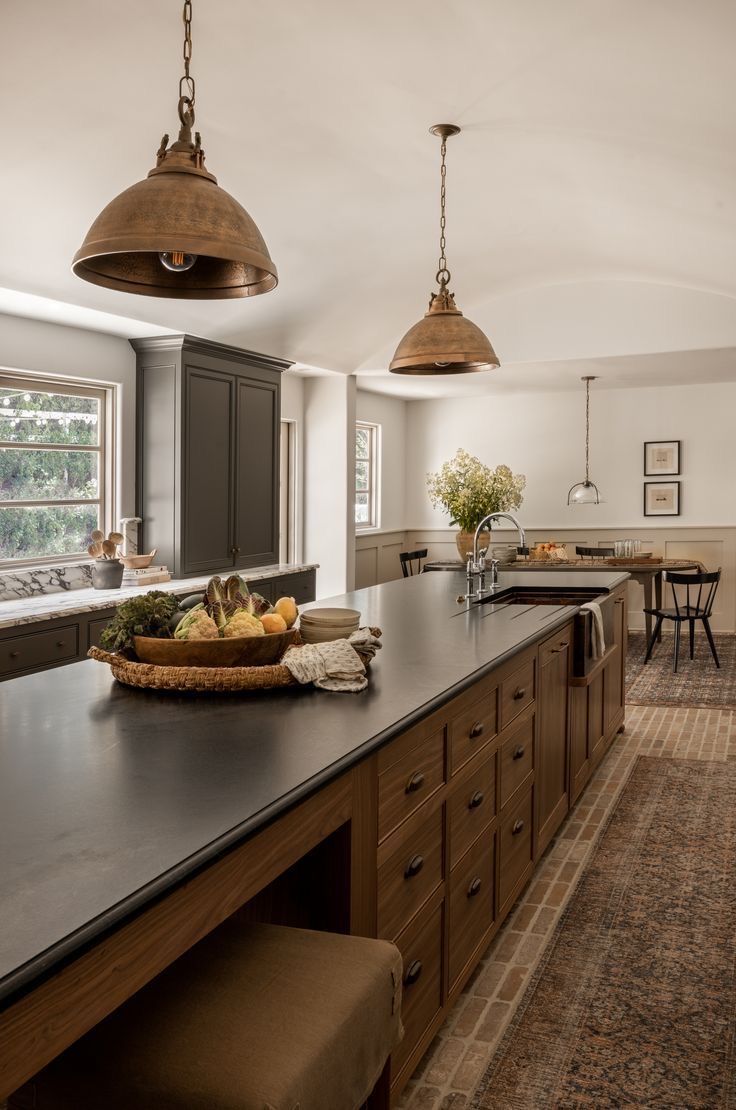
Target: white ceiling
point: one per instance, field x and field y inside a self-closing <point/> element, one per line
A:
<point x="591" y="204"/>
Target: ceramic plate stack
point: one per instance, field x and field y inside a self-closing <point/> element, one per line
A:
<point x="318" y="626"/>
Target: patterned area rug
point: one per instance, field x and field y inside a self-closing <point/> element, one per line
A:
<point x="698" y="682"/>
<point x="634" y="1002"/>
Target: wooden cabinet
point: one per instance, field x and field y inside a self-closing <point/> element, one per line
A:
<point x="552" y="715"/>
<point x="597" y="703"/>
<point x="208" y="453"/>
<point x="615" y="672"/>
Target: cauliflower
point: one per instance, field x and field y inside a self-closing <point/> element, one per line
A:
<point x="197" y="625"/>
<point x="243" y="623"/>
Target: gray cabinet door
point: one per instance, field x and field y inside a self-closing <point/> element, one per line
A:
<point x="207" y="470"/>
<point x="256" y="473"/>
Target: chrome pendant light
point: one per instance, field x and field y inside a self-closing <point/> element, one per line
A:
<point x="177" y="233"/>
<point x="444" y="341"/>
<point x="587" y="492"/>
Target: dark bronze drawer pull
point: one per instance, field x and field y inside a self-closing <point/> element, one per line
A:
<point x="518" y="826"/>
<point x="413" y="971"/>
<point x="558" y="649"/>
<point x="60" y="643"/>
<point x="519" y="753"/>
<point x="415" y="782"/>
<point x="474" y="887"/>
<point x="477" y="730"/>
<point x="476" y="800"/>
<point x="413" y="867"/>
<point x="519" y="693"/>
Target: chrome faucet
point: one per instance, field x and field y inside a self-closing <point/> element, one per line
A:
<point x="477" y="564"/>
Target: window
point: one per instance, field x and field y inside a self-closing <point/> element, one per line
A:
<point x="366" y="475"/>
<point x="53" y="468"/>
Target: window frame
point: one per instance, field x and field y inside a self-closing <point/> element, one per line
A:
<point x="104" y="449"/>
<point x="374" y="476"/>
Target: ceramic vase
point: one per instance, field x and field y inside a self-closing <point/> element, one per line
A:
<point x="107" y="574"/>
<point x="464" y="543"/>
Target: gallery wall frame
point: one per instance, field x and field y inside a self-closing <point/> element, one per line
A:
<point x="662" y="456"/>
<point x="662" y="499"/>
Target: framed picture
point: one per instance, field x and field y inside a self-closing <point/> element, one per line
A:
<point x="662" y="456"/>
<point x="661" y="499"/>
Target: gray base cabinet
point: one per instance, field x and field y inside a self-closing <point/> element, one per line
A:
<point x="28" y="648"/>
<point x="208" y="454"/>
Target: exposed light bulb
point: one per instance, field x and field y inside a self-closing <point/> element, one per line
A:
<point x="177" y="261"/>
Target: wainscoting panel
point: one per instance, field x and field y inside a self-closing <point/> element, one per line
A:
<point x="377" y="557"/>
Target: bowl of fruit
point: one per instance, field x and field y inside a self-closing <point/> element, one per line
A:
<point x="226" y="626"/>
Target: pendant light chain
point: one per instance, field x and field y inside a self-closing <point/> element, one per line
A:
<point x="186" y="83"/>
<point x="587" y="429"/>
<point x="443" y="274"/>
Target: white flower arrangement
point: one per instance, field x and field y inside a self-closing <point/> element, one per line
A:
<point x="468" y="490"/>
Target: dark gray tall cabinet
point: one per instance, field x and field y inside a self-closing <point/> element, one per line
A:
<point x="208" y="453"/>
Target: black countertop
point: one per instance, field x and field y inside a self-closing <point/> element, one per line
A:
<point x="110" y="796"/>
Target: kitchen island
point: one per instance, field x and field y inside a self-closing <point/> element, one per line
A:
<point x="132" y="822"/>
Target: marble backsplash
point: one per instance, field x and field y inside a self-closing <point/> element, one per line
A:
<point x="16" y="584"/>
<point x="44" y="580"/>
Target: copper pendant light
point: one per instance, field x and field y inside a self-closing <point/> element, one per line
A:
<point x="587" y="492"/>
<point x="444" y="341"/>
<point x="177" y="233"/>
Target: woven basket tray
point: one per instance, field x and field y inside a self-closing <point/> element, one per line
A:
<point x="205" y="680"/>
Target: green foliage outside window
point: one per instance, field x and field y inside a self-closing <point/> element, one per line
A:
<point x="35" y="417"/>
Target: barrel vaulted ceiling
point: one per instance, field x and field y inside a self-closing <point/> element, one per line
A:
<point x="591" y="195"/>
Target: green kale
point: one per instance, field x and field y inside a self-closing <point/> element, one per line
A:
<point x="147" y="615"/>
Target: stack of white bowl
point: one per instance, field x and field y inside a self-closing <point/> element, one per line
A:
<point x="319" y="626"/>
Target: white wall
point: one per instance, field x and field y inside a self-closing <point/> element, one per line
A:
<point x="329" y="480"/>
<point x="390" y="413"/>
<point x="542" y="435"/>
<point x="90" y="356"/>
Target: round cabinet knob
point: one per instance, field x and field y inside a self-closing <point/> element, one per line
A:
<point x="413" y="971"/>
<point x="14" y="654"/>
<point x="234" y="550"/>
<point x="415" y="782"/>
<point x="518" y="826"/>
<point x="476" y="800"/>
<point x="477" y="730"/>
<point x="519" y="752"/>
<point x="413" y="867"/>
<point x="519" y="693"/>
<point x="474" y="887"/>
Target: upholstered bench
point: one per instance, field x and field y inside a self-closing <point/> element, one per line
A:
<point x="255" y="1017"/>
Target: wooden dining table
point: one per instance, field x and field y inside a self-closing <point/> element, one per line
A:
<point x="644" y="571"/>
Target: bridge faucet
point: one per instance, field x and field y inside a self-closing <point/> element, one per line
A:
<point x="477" y="565"/>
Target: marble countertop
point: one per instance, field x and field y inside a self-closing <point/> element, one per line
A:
<point x="44" y="607"/>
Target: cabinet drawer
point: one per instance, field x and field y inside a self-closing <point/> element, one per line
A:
<point x="421" y="951"/>
<point x="95" y="629"/>
<point x="472" y="728"/>
<point x="517" y="692"/>
<point x="409" y="782"/>
<point x="471" y="902"/>
<point x="516" y="759"/>
<point x="409" y="876"/>
<point x="299" y="586"/>
<point x="555" y="644"/>
<point x="39" y="649"/>
<point x="471" y="808"/>
<point x="514" y="844"/>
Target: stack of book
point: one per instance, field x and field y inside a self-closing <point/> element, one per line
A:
<point x="146" y="576"/>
